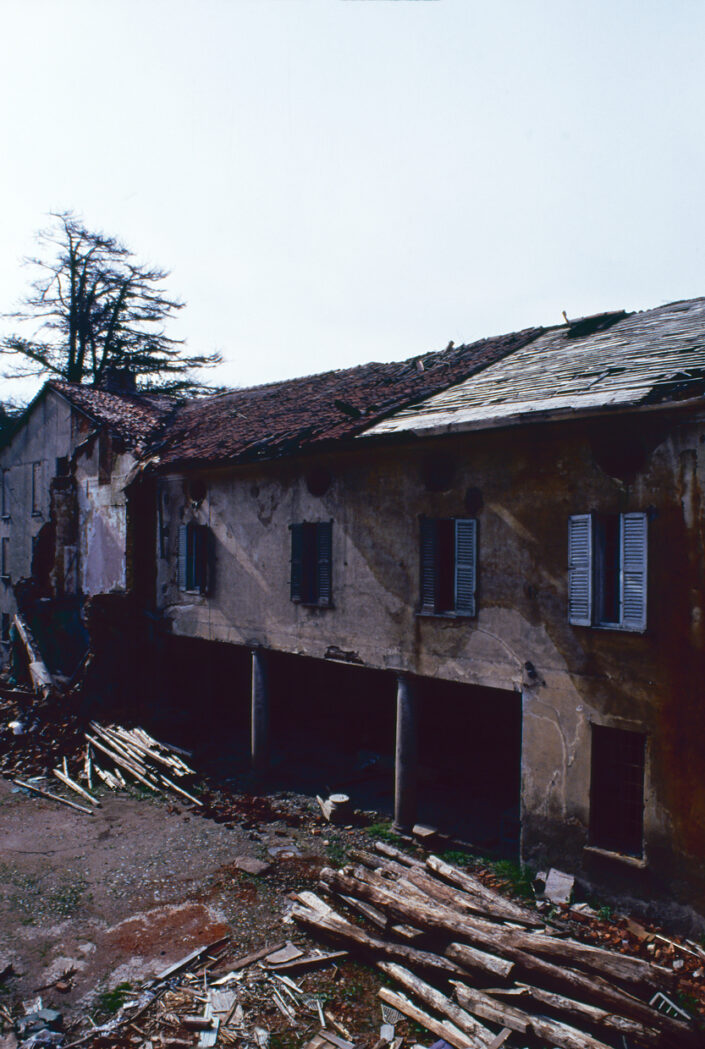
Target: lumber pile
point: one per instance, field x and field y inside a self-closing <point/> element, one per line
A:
<point x="478" y="970"/>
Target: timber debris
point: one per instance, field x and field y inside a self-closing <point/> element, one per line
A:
<point x="485" y="971"/>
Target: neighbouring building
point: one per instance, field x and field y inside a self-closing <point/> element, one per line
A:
<point x="65" y="528"/>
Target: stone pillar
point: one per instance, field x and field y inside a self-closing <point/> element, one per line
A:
<point x="259" y="712"/>
<point x="405" y="765"/>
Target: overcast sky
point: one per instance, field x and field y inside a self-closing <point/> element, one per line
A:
<point x="337" y="181"/>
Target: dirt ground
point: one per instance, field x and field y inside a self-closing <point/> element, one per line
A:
<point x="118" y="896"/>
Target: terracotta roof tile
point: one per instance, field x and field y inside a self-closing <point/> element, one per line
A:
<point x="135" y="417"/>
<point x="264" y="422"/>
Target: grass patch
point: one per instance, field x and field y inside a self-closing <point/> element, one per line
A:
<point x="519" y="879"/>
<point x="457" y="858"/>
<point x="383" y="831"/>
<point x="108" y="1003"/>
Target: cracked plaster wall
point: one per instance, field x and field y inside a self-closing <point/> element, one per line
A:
<point x="530" y="481"/>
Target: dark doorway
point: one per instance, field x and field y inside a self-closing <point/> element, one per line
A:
<point x="332" y="729"/>
<point x="470" y="763"/>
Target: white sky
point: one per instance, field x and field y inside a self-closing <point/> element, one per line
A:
<point x="337" y="181"/>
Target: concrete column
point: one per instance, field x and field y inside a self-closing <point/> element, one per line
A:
<point x="259" y="711"/>
<point x="405" y="765"/>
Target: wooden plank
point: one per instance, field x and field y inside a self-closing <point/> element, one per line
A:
<point x="437" y="1001"/>
<point x="441" y="1028"/>
<point x="68" y="782"/>
<point x="52" y="797"/>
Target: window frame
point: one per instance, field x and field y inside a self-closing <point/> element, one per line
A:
<point x="36" y="488"/>
<point x="196" y="559"/>
<point x="614" y="790"/>
<point x="434" y="569"/>
<point x="587" y="571"/>
<point x="311" y="564"/>
<point x="4" y="494"/>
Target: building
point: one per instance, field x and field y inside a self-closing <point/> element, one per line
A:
<point x="65" y="526"/>
<point x="477" y="575"/>
<point x="500" y="587"/>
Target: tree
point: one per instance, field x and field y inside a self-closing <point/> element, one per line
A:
<point x="92" y="307"/>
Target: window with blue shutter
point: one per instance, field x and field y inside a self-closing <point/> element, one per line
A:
<point x="607" y="580"/>
<point x="311" y="563"/>
<point x="580" y="570"/>
<point x="448" y="556"/>
<point x="196" y="559"/>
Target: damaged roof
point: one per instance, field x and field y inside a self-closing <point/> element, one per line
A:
<point x="604" y="362"/>
<point x="133" y="416"/>
<point x="281" y="418"/>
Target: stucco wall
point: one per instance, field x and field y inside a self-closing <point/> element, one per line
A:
<point x="94" y="559"/>
<point x="46" y="435"/>
<point x="102" y="530"/>
<point x="528" y="481"/>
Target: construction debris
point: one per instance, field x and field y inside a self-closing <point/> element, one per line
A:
<point x="509" y="971"/>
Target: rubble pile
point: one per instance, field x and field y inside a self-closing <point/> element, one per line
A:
<point x="36" y="735"/>
<point x="490" y="971"/>
<point x="210" y="997"/>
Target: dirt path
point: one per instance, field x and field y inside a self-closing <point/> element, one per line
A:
<point x="116" y="897"/>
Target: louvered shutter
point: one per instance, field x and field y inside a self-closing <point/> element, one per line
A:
<point x="183" y="557"/>
<point x="297" y="562"/>
<point x="428" y="564"/>
<point x="209" y="581"/>
<point x="580" y="570"/>
<point x="324" y="551"/>
<point x="465" y="566"/>
<point x="634" y="571"/>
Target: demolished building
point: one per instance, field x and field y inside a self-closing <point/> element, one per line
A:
<point x="483" y="564"/>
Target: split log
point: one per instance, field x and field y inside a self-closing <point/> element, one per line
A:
<point x="123" y="763"/>
<point x="52" y="797"/>
<point x="632" y="972"/>
<point x="332" y="926"/>
<point x="474" y="887"/>
<point x="68" y="782"/>
<point x="580" y="1012"/>
<point x="42" y="680"/>
<point x="437" y="1001"/>
<point x="474" y="960"/>
<point x="553" y="1031"/>
<point x="441" y="1028"/>
<point x="397" y="854"/>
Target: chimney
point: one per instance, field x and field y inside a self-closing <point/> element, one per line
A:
<point x="118" y="380"/>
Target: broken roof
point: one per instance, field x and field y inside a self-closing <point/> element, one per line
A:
<point x="135" y="417"/>
<point x="613" y="361"/>
<point x="264" y="422"/>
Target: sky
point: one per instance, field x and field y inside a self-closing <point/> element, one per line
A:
<point x="331" y="182"/>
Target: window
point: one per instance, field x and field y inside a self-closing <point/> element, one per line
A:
<point x="196" y="558"/>
<point x="607" y="556"/>
<point x="62" y="466"/>
<point x="36" y="488"/>
<point x="311" y="567"/>
<point x="4" y="493"/>
<point x="448" y="566"/>
<point x="5" y="557"/>
<point x="5" y="636"/>
<point x="617" y="790"/>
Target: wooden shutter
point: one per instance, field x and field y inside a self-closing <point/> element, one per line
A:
<point x="297" y="560"/>
<point x="208" y="583"/>
<point x="634" y="571"/>
<point x="183" y="557"/>
<point x="324" y="552"/>
<point x="428" y="564"/>
<point x="580" y="570"/>
<point x="465" y="566"/>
